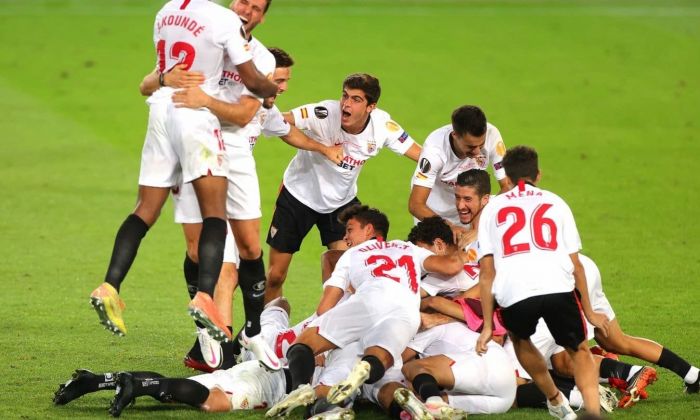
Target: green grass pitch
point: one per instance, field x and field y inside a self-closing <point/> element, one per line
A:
<point x="607" y="91"/>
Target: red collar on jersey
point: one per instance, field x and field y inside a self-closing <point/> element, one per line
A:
<point x="521" y="184"/>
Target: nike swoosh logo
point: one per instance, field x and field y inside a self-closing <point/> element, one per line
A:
<point x="271" y="360"/>
<point x="257" y="295"/>
<point x="213" y="357"/>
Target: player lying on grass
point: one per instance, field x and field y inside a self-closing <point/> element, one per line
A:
<point x="618" y="342"/>
<point x="245" y="386"/>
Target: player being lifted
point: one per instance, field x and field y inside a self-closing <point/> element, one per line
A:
<point x="469" y="142"/>
<point x="529" y="263"/>
<point x="184" y="143"/>
<point x="314" y="190"/>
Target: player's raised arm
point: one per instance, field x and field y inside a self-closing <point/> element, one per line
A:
<point x="255" y="81"/>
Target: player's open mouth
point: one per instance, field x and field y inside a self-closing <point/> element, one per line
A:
<point x="346" y="114"/>
<point x="244" y="20"/>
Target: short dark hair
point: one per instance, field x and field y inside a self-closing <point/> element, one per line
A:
<point x="365" y="82"/>
<point x="469" y="119"/>
<point x="366" y="215"/>
<point x="477" y="179"/>
<point x="282" y="59"/>
<point x="267" y="6"/>
<point x="430" y="229"/>
<point x="521" y="162"/>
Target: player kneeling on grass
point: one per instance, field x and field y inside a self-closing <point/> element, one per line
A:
<point x="245" y="386"/>
<point x="382" y="314"/>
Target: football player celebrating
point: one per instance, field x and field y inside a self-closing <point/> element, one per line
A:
<point x="314" y="190"/>
<point x="529" y="249"/>
<point x="469" y="142"/>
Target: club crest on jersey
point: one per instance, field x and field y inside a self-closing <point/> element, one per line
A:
<point x="424" y="165"/>
<point x="371" y="145"/>
<point x="321" y="112"/>
<point x="392" y="126"/>
<point x="481" y="161"/>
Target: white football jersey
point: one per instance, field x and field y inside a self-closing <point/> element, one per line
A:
<point x="198" y="33"/>
<point x="530" y="232"/>
<point x="249" y="385"/>
<point x="436" y="284"/>
<point x="450" y="338"/>
<point x="438" y="167"/>
<point x="392" y="269"/>
<point x="319" y="183"/>
<point x="269" y="122"/>
<point x="232" y="88"/>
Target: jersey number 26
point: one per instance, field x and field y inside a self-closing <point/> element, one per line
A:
<point x="537" y="229"/>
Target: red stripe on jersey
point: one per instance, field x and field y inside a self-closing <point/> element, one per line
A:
<point x="580" y="312"/>
<point x="184" y="4"/>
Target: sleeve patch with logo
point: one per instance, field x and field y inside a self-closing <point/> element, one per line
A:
<point x="501" y="149"/>
<point x="321" y="112"/>
<point x="424" y="165"/>
<point x="403" y="137"/>
<point x="392" y="126"/>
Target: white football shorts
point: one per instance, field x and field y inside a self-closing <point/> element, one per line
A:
<point x="371" y="320"/>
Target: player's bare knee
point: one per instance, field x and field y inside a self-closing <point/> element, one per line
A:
<point x="149" y="215"/>
<point x="275" y="277"/>
<point x="249" y="251"/>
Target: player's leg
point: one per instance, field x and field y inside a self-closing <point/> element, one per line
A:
<point x="533" y="362"/>
<point x="290" y="224"/>
<point x="565" y="320"/>
<point x="428" y="376"/>
<point x="243" y="208"/>
<point x="278" y="265"/>
<point x="211" y="192"/>
<point x="182" y="390"/>
<point x="328" y="261"/>
<point x="301" y="361"/>
<point x="331" y="230"/>
<point x="619" y="342"/>
<point x="206" y="353"/>
<point x="159" y="171"/>
<point x="251" y="272"/>
<point x="84" y="382"/>
<point x="105" y="299"/>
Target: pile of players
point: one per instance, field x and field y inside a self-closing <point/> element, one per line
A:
<point x="486" y="306"/>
